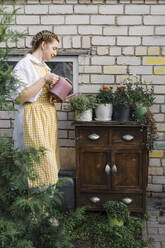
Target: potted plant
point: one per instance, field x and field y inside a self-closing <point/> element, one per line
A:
<point x="122" y="103"/>
<point x="104" y="100"/>
<point x="132" y="94"/>
<point x="117" y="212"/>
<point x="144" y="98"/>
<point x="83" y="105"/>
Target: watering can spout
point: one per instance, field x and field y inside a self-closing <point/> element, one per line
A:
<point x="69" y="96"/>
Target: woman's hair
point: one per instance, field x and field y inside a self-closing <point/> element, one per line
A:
<point x="44" y="35"/>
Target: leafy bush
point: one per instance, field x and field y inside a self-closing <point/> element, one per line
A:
<point x="117" y="210"/>
<point x="27" y="219"/>
<point x="92" y="230"/>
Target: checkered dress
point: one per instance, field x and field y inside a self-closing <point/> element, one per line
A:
<point x="40" y="129"/>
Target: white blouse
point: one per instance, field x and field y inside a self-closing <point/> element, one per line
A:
<point x="26" y="74"/>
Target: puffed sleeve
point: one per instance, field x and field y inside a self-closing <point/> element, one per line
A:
<point x="25" y="74"/>
<point x="20" y="73"/>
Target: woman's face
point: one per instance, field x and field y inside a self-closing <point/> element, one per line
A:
<point x="49" y="49"/>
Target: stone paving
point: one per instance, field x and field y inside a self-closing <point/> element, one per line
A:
<point x="155" y="226"/>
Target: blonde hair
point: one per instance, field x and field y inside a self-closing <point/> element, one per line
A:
<point x="44" y="35"/>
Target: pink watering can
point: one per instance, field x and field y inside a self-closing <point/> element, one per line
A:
<point x="62" y="88"/>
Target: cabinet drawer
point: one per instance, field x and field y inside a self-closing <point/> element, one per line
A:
<point x="127" y="136"/>
<point x="95" y="201"/>
<point x="92" y="136"/>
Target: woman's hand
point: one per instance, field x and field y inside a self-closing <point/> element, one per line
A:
<point x="31" y="91"/>
<point x="51" y="79"/>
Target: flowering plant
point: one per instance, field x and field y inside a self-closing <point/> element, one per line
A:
<point x="132" y="92"/>
<point x="105" y="95"/>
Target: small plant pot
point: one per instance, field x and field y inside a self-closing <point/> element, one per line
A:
<point x="83" y="116"/>
<point x="140" y="113"/>
<point x="104" y="112"/>
<point x="115" y="222"/>
<point x="121" y="113"/>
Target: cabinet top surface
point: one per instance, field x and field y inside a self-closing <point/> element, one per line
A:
<point x="108" y="123"/>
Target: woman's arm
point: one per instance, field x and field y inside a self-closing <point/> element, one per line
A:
<point x="32" y="90"/>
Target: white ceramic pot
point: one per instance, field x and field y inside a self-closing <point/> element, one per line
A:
<point x="83" y="116"/>
<point x="104" y="112"/>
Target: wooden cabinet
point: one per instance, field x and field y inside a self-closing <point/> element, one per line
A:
<point x="111" y="164"/>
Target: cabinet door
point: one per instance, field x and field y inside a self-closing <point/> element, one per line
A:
<point x="94" y="170"/>
<point x="127" y="170"/>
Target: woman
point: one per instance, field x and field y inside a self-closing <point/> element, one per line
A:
<point x="36" y="120"/>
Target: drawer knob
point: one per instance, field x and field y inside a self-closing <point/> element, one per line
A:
<point x="93" y="136"/>
<point x="95" y="199"/>
<point x="114" y="168"/>
<point x="128" y="137"/>
<point x="127" y="200"/>
<point x="107" y="169"/>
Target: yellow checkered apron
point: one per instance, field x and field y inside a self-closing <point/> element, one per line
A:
<point x="40" y="129"/>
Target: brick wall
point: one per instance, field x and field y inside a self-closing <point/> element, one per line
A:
<point x="119" y="38"/>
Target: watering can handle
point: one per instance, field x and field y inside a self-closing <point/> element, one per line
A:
<point x="68" y="81"/>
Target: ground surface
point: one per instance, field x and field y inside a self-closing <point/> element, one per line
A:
<point x="155" y="226"/>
